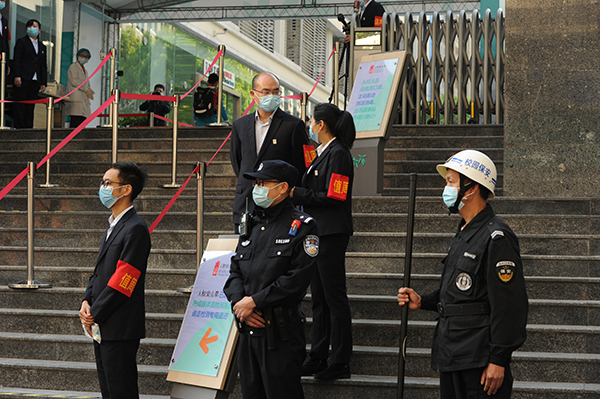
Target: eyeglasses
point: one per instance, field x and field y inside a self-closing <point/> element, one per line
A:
<point x="266" y="92"/>
<point x="108" y="182"/>
<point x="261" y="183"/>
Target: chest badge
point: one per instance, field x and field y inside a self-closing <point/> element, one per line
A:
<point x="245" y="243"/>
<point x="311" y="245"/>
<point x="506" y="270"/>
<point x="294" y="228"/>
<point x="464" y="281"/>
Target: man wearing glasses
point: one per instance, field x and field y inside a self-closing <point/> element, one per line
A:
<point x="113" y="311"/>
<point x="267" y="134"/>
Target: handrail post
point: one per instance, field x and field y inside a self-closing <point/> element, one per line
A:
<point x="336" y="75"/>
<point x="115" y="125"/>
<point x="175" y="127"/>
<point x="30" y="283"/>
<point x="220" y="89"/>
<point x="151" y="119"/>
<point x="50" y="111"/>
<point x="2" y="89"/>
<point x="112" y="83"/>
<point x="303" y="106"/>
<point x="200" y="213"/>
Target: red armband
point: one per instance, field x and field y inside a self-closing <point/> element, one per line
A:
<point x="378" y="22"/>
<point x="338" y="187"/>
<point x="309" y="154"/>
<point x="125" y="278"/>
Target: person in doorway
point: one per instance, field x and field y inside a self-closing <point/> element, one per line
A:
<point x="114" y="298"/>
<point x="269" y="133"/>
<point x="481" y="302"/>
<point x="326" y="194"/>
<point x="30" y="72"/>
<point x="79" y="106"/>
<point x="270" y="273"/>
<point x="160" y="108"/>
<point x="206" y="102"/>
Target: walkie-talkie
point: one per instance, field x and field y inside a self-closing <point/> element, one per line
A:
<point x="246" y="223"/>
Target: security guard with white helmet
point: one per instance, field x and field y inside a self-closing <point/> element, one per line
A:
<point x="482" y="302"/>
<point x="270" y="273"/>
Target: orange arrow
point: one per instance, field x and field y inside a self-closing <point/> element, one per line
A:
<point x="207" y="340"/>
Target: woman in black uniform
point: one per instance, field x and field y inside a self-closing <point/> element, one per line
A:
<point x="326" y="195"/>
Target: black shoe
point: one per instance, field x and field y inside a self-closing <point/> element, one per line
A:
<point x="334" y="372"/>
<point x="313" y="366"/>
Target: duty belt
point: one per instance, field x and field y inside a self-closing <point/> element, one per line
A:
<point x="276" y="318"/>
<point x="463" y="310"/>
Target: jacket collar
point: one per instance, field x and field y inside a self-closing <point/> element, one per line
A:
<point x="478" y="221"/>
<point x="272" y="212"/>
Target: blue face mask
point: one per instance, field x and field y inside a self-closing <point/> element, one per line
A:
<point x="260" y="195"/>
<point x="32" y="32"/>
<point x="314" y="136"/>
<point x="269" y="103"/>
<point x="450" y="195"/>
<point x="2" y="5"/>
<point x="106" y="196"/>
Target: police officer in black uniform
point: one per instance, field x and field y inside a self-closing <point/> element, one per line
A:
<point x="270" y="273"/>
<point x="482" y="302"/>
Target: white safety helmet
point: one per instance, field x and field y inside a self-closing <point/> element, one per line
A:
<point x="472" y="164"/>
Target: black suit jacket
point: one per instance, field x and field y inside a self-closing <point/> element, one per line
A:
<point x="4" y="46"/>
<point x="285" y="140"/>
<point x="119" y="316"/>
<point x="26" y="63"/>
<point x="332" y="215"/>
<point x="373" y="9"/>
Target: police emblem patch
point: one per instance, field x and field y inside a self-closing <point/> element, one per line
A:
<point x="464" y="281"/>
<point x="505" y="270"/>
<point x="311" y="245"/>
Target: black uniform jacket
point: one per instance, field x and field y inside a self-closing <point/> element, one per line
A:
<point x="271" y="265"/>
<point x="483" y="266"/>
<point x="334" y="215"/>
<point x="4" y="45"/>
<point x="372" y="10"/>
<point x="27" y="63"/>
<point x="285" y="140"/>
<point x="121" y="317"/>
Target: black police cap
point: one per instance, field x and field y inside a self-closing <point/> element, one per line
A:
<point x="275" y="170"/>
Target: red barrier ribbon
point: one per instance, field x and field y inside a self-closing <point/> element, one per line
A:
<point x="147" y="97"/>
<point x="40" y="101"/>
<point x="171" y="121"/>
<point x="78" y="129"/>
<point x="299" y="96"/>
<point x="14" y="182"/>
<point x="219" y="54"/>
<point x="104" y="61"/>
<point x="123" y="115"/>
<point x="196" y="169"/>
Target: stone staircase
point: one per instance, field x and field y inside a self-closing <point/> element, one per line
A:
<point x="43" y="352"/>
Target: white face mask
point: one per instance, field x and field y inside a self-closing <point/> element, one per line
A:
<point x="82" y="60"/>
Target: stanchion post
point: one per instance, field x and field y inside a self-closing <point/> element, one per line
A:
<point x="111" y="110"/>
<point x="304" y="103"/>
<point x="151" y="119"/>
<point x="220" y="89"/>
<point x="336" y="75"/>
<point x="30" y="283"/>
<point x="175" y="127"/>
<point x="115" y="125"/>
<point x="50" y="111"/>
<point x="200" y="212"/>
<point x="2" y="88"/>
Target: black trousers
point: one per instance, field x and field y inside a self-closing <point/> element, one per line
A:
<point x="117" y="368"/>
<point x="332" y="320"/>
<point x="272" y="374"/>
<point x="466" y="384"/>
<point x="23" y="113"/>
<point x="76" y="120"/>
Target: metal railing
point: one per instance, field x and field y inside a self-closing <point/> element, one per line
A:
<point x="454" y="71"/>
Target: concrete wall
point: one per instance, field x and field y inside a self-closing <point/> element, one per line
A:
<point x="552" y="130"/>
